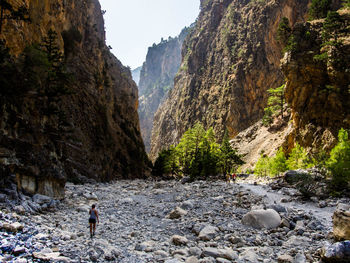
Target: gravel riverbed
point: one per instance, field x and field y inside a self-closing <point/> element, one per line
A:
<point x="166" y="221"/>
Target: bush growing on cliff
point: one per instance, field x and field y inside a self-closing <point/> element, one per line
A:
<point x="284" y="31"/>
<point x="339" y="162"/>
<point x="319" y="8"/>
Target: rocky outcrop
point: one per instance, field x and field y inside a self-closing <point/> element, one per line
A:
<point x="317" y="87"/>
<point x="94" y="132"/>
<point x="229" y="61"/>
<point x="341" y="222"/>
<point x="157" y="78"/>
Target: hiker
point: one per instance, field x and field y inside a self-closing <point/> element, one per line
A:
<point x="234" y="177"/>
<point x="92" y="220"/>
<point x="228" y="178"/>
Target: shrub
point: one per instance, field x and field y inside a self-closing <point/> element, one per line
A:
<point x="298" y="159"/>
<point x="339" y="162"/>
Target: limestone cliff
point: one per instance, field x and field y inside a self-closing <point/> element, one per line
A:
<point x="157" y="78"/>
<point x="229" y="61"/>
<point x="94" y="133"/>
<point x="318" y="82"/>
<point x="136" y="75"/>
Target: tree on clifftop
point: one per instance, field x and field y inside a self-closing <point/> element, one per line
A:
<point x="319" y="8"/>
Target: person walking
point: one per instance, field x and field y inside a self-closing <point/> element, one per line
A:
<point x="234" y="177"/>
<point x="92" y="220"/>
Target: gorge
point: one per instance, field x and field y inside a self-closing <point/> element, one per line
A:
<point x="152" y="154"/>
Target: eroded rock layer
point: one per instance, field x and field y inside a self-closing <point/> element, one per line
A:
<point x="229" y="61"/>
<point x="96" y="134"/>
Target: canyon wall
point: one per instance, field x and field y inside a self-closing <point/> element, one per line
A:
<point x="229" y="62"/>
<point x="94" y="132"/>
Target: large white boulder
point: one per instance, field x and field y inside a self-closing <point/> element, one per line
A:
<point x="262" y="219"/>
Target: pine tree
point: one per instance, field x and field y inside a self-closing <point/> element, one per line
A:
<point x="229" y="158"/>
<point x="319" y="8"/>
<point x="332" y="24"/>
<point x="275" y="104"/>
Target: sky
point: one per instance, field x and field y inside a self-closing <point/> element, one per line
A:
<point x="134" y="25"/>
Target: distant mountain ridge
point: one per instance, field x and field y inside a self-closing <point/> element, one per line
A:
<point x="136" y="74"/>
<point x="157" y="78"/>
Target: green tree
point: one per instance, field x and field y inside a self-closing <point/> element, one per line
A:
<point x="229" y="158"/>
<point x="165" y="163"/>
<point x="319" y="8"/>
<point x="284" y="31"/>
<point x="332" y="25"/>
<point x="339" y="162"/>
<point x="275" y="104"/>
<point x="262" y="166"/>
<point x="298" y="159"/>
<point x="277" y="164"/>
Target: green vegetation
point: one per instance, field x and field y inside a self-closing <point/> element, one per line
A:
<point x="319" y="8"/>
<point x="332" y="26"/>
<point x="275" y="105"/>
<point x="197" y="155"/>
<point x="272" y="166"/>
<point x="40" y="69"/>
<point x="284" y="32"/>
<point x="339" y="162"/>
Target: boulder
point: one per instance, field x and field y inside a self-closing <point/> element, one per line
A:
<point x="41" y="199"/>
<point x="262" y="219"/>
<point x="336" y="253"/>
<point x="341" y="222"/>
<point x="208" y="233"/>
<point x="285" y="259"/>
<point x="177" y="213"/>
<point x="14" y="227"/>
<point x="179" y="240"/>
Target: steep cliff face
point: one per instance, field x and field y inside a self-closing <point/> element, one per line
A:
<point x="94" y="132"/>
<point x="136" y="73"/>
<point x="318" y="82"/>
<point x="157" y="78"/>
<point x="229" y="61"/>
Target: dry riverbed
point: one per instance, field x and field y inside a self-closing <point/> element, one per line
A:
<point x="148" y="221"/>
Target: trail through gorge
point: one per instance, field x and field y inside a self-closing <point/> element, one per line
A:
<point x="166" y="221"/>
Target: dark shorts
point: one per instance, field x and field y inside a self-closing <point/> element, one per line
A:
<point x="92" y="221"/>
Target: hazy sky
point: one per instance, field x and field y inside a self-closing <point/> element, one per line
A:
<point x="134" y="25"/>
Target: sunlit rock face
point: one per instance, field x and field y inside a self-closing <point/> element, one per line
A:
<point x="157" y="78"/>
<point x="99" y="136"/>
<point x="229" y="62"/>
<point x="318" y="90"/>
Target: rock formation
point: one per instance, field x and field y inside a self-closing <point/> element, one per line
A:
<point x="94" y="132"/>
<point x="317" y="88"/>
<point x="157" y="78"/>
<point x="136" y="75"/>
<point x="229" y="61"/>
